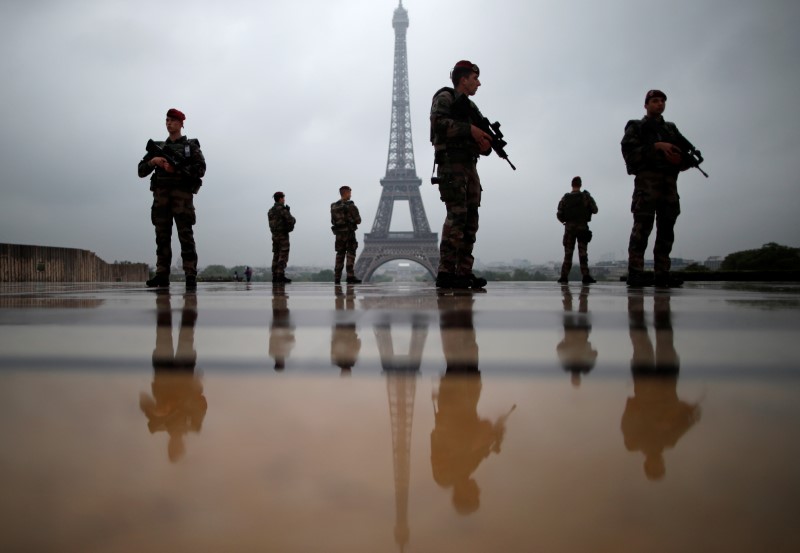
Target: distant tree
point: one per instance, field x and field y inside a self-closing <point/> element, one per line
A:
<point x="325" y="275"/>
<point x="520" y="275"/>
<point x="215" y="272"/>
<point x="770" y="257"/>
<point x="697" y="268"/>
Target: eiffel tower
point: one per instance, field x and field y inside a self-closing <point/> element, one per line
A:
<point x="401" y="181"/>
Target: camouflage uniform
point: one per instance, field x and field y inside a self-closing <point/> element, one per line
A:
<point x="344" y="222"/>
<point x="281" y="223"/>
<point x="456" y="155"/>
<point x="575" y="210"/>
<point x="655" y="190"/>
<point x="173" y="199"/>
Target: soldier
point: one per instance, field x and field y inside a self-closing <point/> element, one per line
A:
<point x="281" y="223"/>
<point x="655" y="152"/>
<point x="457" y="142"/>
<point x="575" y="210"/>
<point x="173" y="191"/>
<point x="344" y="222"/>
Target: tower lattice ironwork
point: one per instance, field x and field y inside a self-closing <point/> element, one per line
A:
<point x="401" y="182"/>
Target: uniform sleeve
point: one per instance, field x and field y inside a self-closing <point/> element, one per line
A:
<point x="145" y="168"/>
<point x="442" y="123"/>
<point x="633" y="150"/>
<point x="560" y="210"/>
<point x="355" y="214"/>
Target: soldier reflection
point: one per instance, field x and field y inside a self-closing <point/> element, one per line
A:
<point x="575" y="351"/>
<point x="461" y="439"/>
<point x="345" y="343"/>
<point x="655" y="418"/>
<point x="281" y="329"/>
<point x="177" y="405"/>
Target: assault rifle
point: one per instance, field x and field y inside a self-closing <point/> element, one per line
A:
<point x="695" y="159"/>
<point x="498" y="144"/>
<point x="180" y="164"/>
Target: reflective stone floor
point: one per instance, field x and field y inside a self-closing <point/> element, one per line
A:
<point x="531" y="417"/>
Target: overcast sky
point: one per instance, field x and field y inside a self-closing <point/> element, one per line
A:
<point x="295" y="95"/>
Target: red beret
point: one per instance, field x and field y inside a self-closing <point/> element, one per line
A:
<point x="176" y="114"/>
<point x="464" y="64"/>
<point x="654" y="94"/>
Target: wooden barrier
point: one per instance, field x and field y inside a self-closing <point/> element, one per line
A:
<point x="20" y="263"/>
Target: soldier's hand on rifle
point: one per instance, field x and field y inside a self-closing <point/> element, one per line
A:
<point x="163" y="163"/>
<point x="671" y="151"/>
<point x="483" y="139"/>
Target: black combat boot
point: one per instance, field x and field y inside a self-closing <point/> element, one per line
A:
<point x="587" y="279"/>
<point x="562" y="280"/>
<point x="161" y="280"/>
<point x="191" y="282"/>
<point x="337" y="279"/>
<point x="636" y="279"/>
<point x="353" y="280"/>
<point x="666" y="280"/>
<point x="449" y="280"/>
<point x="476" y="281"/>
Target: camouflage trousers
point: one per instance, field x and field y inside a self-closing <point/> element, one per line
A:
<point x="174" y="203"/>
<point x="460" y="190"/>
<point x="655" y="200"/>
<point x="572" y="231"/>
<point x="345" y="246"/>
<point x="280" y="253"/>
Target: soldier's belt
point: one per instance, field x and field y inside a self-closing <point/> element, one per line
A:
<point x="455" y="156"/>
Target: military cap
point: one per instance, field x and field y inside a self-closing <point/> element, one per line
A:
<point x="176" y="114"/>
<point x="654" y="94"/>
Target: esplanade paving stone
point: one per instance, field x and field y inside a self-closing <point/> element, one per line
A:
<point x="314" y="417"/>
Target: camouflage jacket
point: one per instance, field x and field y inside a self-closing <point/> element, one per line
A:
<point x="639" y="153"/>
<point x="452" y="115"/>
<point x="281" y="221"/>
<point x="344" y="216"/>
<point x="188" y="148"/>
<point x="576" y="207"/>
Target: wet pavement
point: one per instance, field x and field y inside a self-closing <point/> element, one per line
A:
<point x="387" y="417"/>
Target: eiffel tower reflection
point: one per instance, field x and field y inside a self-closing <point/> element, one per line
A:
<point x="401" y="372"/>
